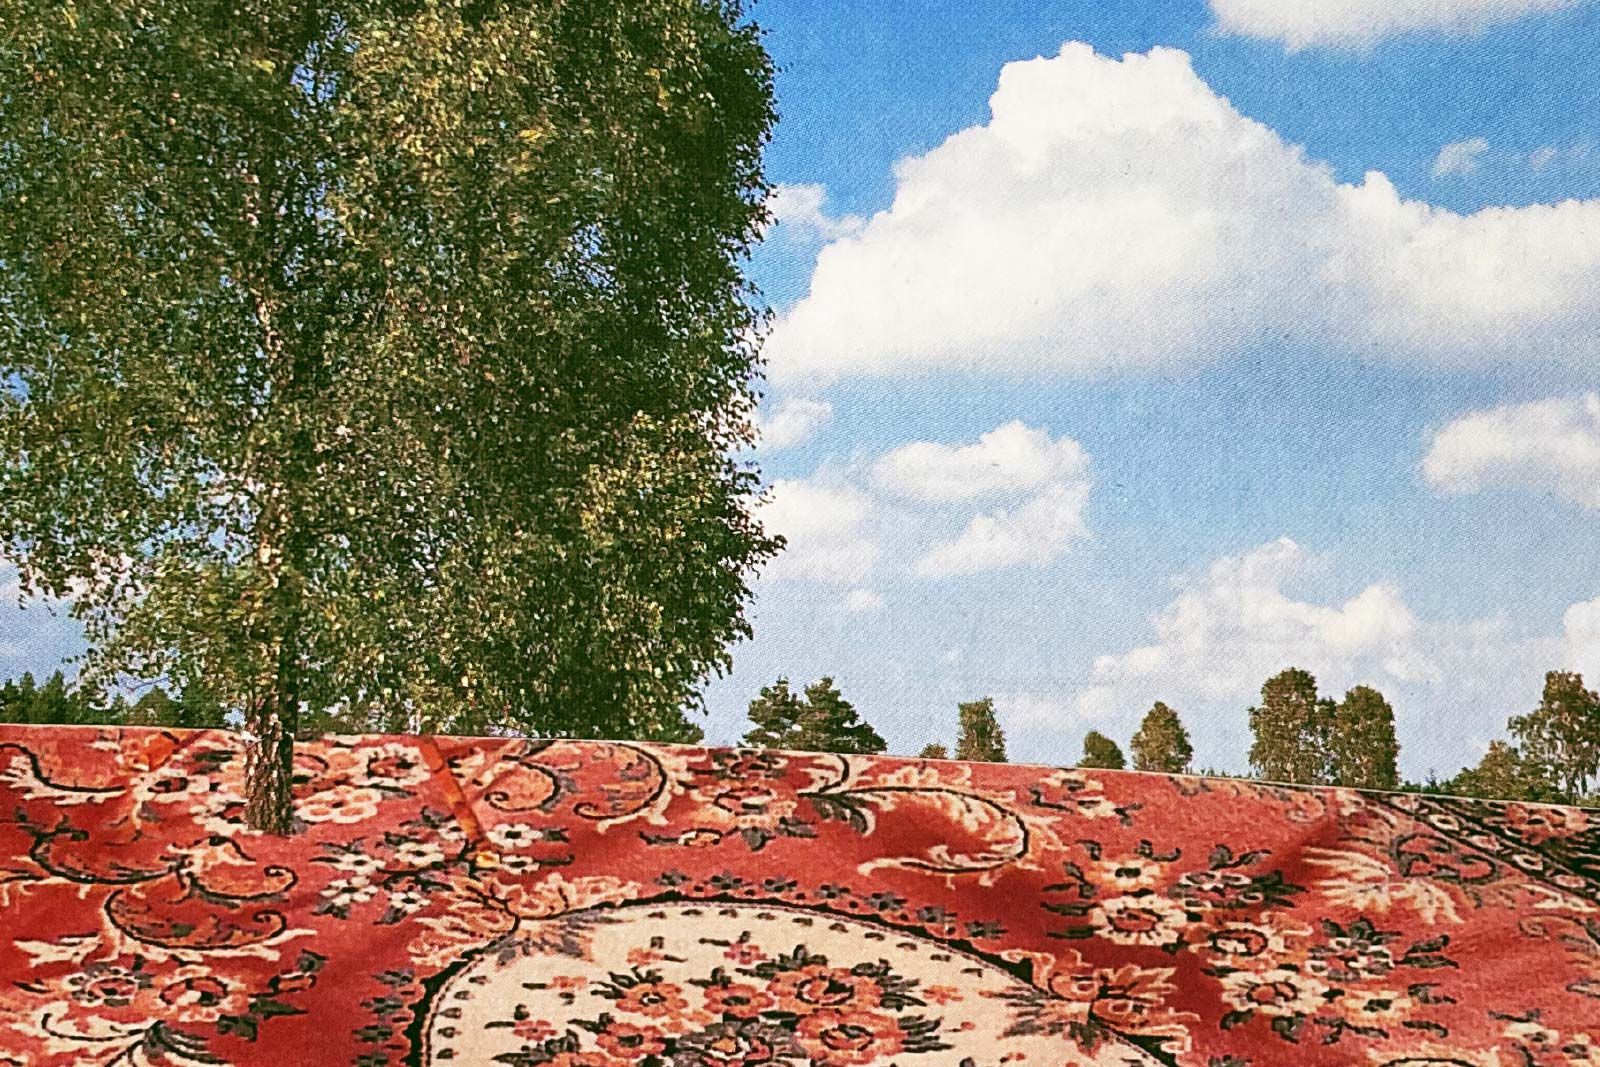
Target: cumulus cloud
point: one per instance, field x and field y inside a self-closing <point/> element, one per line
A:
<point x="827" y="530"/>
<point x="1023" y="711"/>
<point x="792" y="422"/>
<point x="1117" y="214"/>
<point x="37" y="637"/>
<point x="863" y="602"/>
<point x="1231" y="628"/>
<point x="10" y="582"/>
<point x="1229" y="631"/>
<point x="907" y="514"/>
<point x="1459" y="157"/>
<point x="801" y="209"/>
<point x="1037" y="532"/>
<point x="1299" y="24"/>
<point x="1008" y="458"/>
<point x="1551" y="445"/>
<point x="1581" y="626"/>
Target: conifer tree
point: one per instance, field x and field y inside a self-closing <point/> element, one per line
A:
<point x="1162" y="743"/>
<point x="192" y="709"/>
<point x="55" y="703"/>
<point x="933" y="750"/>
<point x="154" y="708"/>
<point x="819" y="721"/>
<point x="775" y="717"/>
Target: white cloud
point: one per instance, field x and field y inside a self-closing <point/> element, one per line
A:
<point x="1120" y="214"/>
<point x="39" y="637"/>
<point x="1037" y="532"/>
<point x="800" y="208"/>
<point x="902" y="515"/>
<point x="826" y="526"/>
<point x="10" y="582"/>
<point x="1301" y="24"/>
<point x="1230" y="629"/>
<point x="1540" y="158"/>
<point x="1581" y="627"/>
<point x="1228" y="632"/>
<point x="793" y="422"/>
<point x="10" y="592"/>
<point x="1552" y="445"/>
<point x="1459" y="157"/>
<point x="863" y="602"/>
<point x="1006" y="459"/>
<point x="1025" y="711"/>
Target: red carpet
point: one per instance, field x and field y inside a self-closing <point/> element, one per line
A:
<point x="467" y="902"/>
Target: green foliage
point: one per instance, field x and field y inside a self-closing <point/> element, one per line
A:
<point x="1099" y="751"/>
<point x="384" y="356"/>
<point x="194" y="709"/>
<point x="1216" y="772"/>
<point x="820" y="721"/>
<point x="980" y="736"/>
<point x="58" y="703"/>
<point x="1561" y="737"/>
<point x="1363" y="751"/>
<point x="1293" y="730"/>
<point x="25" y="701"/>
<point x="1504" y="774"/>
<point x="1162" y="744"/>
<point x="934" y="750"/>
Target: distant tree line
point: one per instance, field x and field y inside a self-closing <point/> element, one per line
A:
<point x="56" y="702"/>
<point x="1299" y="735"/>
<point x="23" y="700"/>
<point x="1553" y="754"/>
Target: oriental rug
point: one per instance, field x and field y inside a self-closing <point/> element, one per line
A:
<point x="468" y="902"/>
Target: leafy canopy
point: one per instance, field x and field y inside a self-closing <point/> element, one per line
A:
<point x="386" y="357"/>
<point x="1560" y="739"/>
<point x="1293" y="730"/>
<point x="1100" y="752"/>
<point x="1363" y="751"/>
<point x="1503" y="774"/>
<point x="1162" y="743"/>
<point x="980" y="736"/>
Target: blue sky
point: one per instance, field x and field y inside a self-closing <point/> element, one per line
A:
<point x="1132" y="384"/>
<point x="1302" y="457"/>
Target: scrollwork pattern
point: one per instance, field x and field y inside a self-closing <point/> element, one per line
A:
<point x="807" y="909"/>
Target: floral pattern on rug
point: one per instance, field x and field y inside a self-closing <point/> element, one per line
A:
<point x="471" y="902"/>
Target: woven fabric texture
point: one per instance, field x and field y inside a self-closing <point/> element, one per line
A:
<point x="467" y="902"/>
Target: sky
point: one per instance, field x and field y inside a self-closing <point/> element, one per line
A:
<point x="1136" y="352"/>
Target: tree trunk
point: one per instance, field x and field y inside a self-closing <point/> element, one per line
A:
<point x="274" y="713"/>
<point x="269" y="764"/>
<point x="282" y="202"/>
